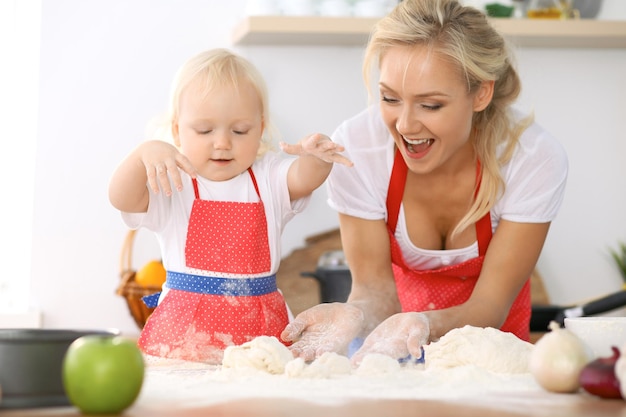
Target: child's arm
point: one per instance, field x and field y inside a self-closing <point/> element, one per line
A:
<point x="154" y="163"/>
<point x="317" y="153"/>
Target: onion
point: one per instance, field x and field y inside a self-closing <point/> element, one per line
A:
<point x="598" y="376"/>
<point x="557" y="360"/>
<point x="620" y="372"/>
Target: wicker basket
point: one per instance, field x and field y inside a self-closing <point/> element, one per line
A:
<point x="129" y="289"/>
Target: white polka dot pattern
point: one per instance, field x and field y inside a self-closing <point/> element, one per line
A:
<point x="198" y="327"/>
<point x="219" y="241"/>
<point x="450" y="286"/>
<point x="229" y="238"/>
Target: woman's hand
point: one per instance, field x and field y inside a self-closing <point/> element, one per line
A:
<point x="160" y="159"/>
<point x="320" y="146"/>
<point x="327" y="327"/>
<point x="399" y="336"/>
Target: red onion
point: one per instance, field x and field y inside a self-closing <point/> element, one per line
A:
<point x="598" y="376"/>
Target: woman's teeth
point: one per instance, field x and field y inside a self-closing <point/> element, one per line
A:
<point x="415" y="141"/>
<point x="417" y="145"/>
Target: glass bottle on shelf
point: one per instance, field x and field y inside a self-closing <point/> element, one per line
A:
<point x="549" y="9"/>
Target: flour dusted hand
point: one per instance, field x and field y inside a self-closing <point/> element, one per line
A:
<point x="328" y="327"/>
<point x="320" y="146"/>
<point x="399" y="336"/>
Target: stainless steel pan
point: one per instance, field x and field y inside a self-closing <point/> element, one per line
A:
<point x="31" y="365"/>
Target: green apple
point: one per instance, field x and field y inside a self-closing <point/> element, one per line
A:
<point x="103" y="374"/>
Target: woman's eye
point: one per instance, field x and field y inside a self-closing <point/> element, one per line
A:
<point x="431" y="106"/>
<point x="387" y="99"/>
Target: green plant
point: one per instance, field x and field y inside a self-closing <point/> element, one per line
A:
<point x="619" y="255"/>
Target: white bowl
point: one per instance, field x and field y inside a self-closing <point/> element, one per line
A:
<point x="599" y="334"/>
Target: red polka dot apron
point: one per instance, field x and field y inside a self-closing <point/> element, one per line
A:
<point x="201" y="315"/>
<point x="450" y="285"/>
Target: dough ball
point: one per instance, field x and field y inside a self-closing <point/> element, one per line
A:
<point x="264" y="353"/>
<point x="377" y="364"/>
<point x="487" y="348"/>
<point x="295" y="368"/>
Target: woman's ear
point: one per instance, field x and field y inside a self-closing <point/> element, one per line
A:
<point x="483" y="96"/>
<point x="175" y="133"/>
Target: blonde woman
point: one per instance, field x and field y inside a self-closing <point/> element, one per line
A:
<point x="217" y="201"/>
<point x="450" y="199"/>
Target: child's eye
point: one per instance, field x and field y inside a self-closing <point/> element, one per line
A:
<point x="240" y="132"/>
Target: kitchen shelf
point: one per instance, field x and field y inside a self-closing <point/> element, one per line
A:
<point x="349" y="31"/>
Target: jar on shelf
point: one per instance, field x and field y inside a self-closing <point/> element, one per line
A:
<point x="549" y="9"/>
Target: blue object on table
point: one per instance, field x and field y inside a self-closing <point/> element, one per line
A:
<point x="357" y="342"/>
<point x="355" y="345"/>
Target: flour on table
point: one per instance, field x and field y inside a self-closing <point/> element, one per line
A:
<point x="263" y="353"/>
<point x="328" y="365"/>
<point x="487" y="348"/>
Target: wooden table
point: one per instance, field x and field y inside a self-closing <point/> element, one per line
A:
<point x="581" y="406"/>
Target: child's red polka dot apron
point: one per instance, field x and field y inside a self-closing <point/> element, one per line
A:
<point x="451" y="285"/>
<point x="202" y="315"/>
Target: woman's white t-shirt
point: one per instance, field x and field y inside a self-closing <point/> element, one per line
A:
<point x="535" y="179"/>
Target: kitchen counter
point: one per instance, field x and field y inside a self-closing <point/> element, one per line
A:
<point x="578" y="406"/>
<point x="459" y="392"/>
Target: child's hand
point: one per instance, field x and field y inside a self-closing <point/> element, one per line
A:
<point x="162" y="161"/>
<point x="320" y="146"/>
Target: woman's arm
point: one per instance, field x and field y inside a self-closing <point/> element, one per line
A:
<point x="367" y="249"/>
<point x="331" y="327"/>
<point x="510" y="259"/>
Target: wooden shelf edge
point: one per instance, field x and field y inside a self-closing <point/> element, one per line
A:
<point x="328" y="31"/>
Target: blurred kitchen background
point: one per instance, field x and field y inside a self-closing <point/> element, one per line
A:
<point x="85" y="78"/>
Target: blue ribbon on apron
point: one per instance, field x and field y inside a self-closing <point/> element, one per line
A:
<point x="234" y="287"/>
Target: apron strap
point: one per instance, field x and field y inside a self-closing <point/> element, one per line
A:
<point x="195" y="187"/>
<point x="395" y="191"/>
<point x="256" y="187"/>
<point x="395" y="194"/>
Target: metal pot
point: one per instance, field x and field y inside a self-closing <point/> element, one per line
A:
<point x="333" y="275"/>
<point x="31" y="362"/>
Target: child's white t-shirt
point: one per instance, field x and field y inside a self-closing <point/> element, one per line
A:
<point x="168" y="217"/>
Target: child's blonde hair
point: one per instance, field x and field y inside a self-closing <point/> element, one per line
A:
<point x="218" y="68"/>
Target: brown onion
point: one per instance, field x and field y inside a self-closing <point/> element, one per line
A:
<point x="557" y="360"/>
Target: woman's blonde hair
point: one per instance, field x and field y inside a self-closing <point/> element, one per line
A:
<point x="464" y="36"/>
<point x="218" y="68"/>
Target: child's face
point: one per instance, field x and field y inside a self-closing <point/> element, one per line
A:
<point x="220" y="132"/>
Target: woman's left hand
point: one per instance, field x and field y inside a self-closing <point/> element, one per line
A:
<point x="400" y="336"/>
<point x="320" y="146"/>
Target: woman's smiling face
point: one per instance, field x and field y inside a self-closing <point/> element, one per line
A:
<point x="426" y="106"/>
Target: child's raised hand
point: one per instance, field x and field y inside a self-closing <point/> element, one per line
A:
<point x="320" y="146"/>
<point x="162" y="161"/>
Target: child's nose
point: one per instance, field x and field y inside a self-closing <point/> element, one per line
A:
<point x="222" y="141"/>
